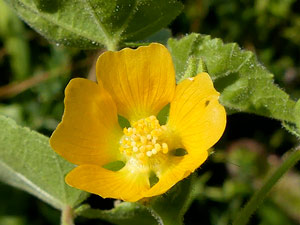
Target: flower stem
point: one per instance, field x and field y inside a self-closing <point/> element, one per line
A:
<point x="258" y="197"/>
<point x="112" y="45"/>
<point x="67" y="216"/>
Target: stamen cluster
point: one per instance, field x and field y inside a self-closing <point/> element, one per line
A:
<point x="144" y="139"/>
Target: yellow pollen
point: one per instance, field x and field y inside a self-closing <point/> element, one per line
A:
<point x="157" y="147"/>
<point x="153" y="140"/>
<point x="165" y="148"/>
<point x="142" y="148"/>
<point x="144" y="139"/>
<point x="154" y="151"/>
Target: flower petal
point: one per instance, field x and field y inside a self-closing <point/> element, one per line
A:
<point x="123" y="184"/>
<point x="176" y="169"/>
<point x="197" y="120"/>
<point x="89" y="132"/>
<point x="196" y="116"/>
<point x="140" y="81"/>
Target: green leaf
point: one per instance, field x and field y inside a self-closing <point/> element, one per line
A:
<point x="28" y="162"/>
<point x="245" y="85"/>
<point x="297" y="116"/>
<point x="172" y="206"/>
<point x="294" y="128"/>
<point x="125" y="213"/>
<point x="90" y="23"/>
<point x="161" y="36"/>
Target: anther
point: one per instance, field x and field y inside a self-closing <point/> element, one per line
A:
<point x="143" y="139"/>
<point x="134" y="137"/>
<point x="154" y="140"/>
<point x="129" y="131"/>
<point x="165" y="148"/>
<point x="157" y="147"/>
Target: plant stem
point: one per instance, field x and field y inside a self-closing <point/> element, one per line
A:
<point x="112" y="46"/>
<point x="67" y="216"/>
<point x="258" y="197"/>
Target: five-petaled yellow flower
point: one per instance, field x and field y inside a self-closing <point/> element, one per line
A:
<point x="137" y="84"/>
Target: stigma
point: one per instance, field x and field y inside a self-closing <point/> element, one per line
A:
<point x="144" y="139"/>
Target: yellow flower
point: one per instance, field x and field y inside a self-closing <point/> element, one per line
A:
<point x="137" y="84"/>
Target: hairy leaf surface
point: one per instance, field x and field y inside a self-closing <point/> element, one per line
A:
<point x="245" y="85"/>
<point x="28" y="162"/>
<point x="90" y="23"/>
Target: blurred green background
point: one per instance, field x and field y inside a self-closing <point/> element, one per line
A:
<point x="35" y="72"/>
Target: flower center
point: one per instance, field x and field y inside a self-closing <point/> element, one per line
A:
<point x="144" y="139"/>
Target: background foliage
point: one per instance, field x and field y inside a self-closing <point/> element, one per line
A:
<point x="35" y="72"/>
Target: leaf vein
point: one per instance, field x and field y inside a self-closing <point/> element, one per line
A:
<point x="41" y="193"/>
<point x="91" y="10"/>
<point x="128" y="19"/>
<point x="62" y="25"/>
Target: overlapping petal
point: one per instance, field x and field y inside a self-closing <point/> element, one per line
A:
<point x="89" y="131"/>
<point x="196" y="116"/>
<point x="126" y="184"/>
<point x="174" y="170"/>
<point x="198" y="120"/>
<point x="140" y="81"/>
